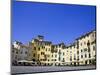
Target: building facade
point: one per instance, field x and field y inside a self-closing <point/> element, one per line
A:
<point x="87" y="48"/>
<point x="41" y="50"/>
<point x="19" y="52"/>
<point x="81" y="52"/>
<point x="23" y="52"/>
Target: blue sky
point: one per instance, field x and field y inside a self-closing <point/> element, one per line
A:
<point x="56" y="22"/>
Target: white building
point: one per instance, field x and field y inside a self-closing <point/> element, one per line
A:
<point x="23" y="52"/>
<point x="87" y="48"/>
<point x="19" y="52"/>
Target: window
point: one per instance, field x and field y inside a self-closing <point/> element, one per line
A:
<point x="33" y="59"/>
<point x="33" y="55"/>
<point x="21" y="52"/>
<point x="74" y="57"/>
<point x="63" y="53"/>
<point x="81" y="44"/>
<point x="39" y="48"/>
<point x="16" y="52"/>
<point x="15" y="57"/>
<point x="55" y="55"/>
<point x="94" y="48"/>
<point x="59" y="45"/>
<point x="59" y="52"/>
<point x="89" y="49"/>
<point x="59" y="58"/>
<point x="63" y="59"/>
<point x="43" y="47"/>
<point x="85" y="56"/>
<point x="25" y="52"/>
<point x="34" y="48"/>
<point x="46" y="49"/>
<point x="89" y="55"/>
<point x="85" y="49"/>
<point x="81" y="50"/>
<point x="52" y="55"/>
<point x="88" y="43"/>
<point x="89" y="61"/>
<point x="78" y="58"/>
<point x="13" y="51"/>
<point x="70" y="58"/>
<point x="81" y="56"/>
<point x="77" y="52"/>
<point x="42" y="53"/>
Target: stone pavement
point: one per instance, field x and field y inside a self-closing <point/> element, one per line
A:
<point x="36" y="69"/>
